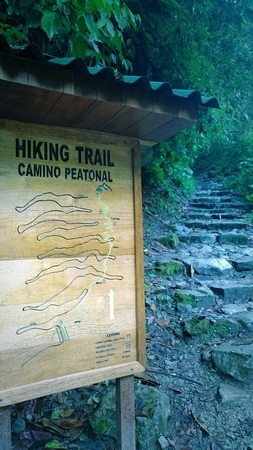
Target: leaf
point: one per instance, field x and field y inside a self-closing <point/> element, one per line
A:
<point x="109" y="26"/>
<point x="51" y="22"/>
<point x="92" y="41"/>
<point x="99" y="4"/>
<point x="47" y="423"/>
<point x="79" y="46"/>
<point x="91" y="25"/>
<point x="55" y="444"/>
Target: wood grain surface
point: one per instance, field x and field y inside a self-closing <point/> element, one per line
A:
<point x="71" y="269"/>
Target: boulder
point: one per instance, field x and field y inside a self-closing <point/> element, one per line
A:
<point x="205" y="328"/>
<point x="163" y="443"/>
<point x="211" y="266"/>
<point x="170" y="267"/>
<point x="246" y="320"/>
<point x="232" y="395"/>
<point x="152" y="408"/>
<point x="232" y="308"/>
<point x="234" y="360"/>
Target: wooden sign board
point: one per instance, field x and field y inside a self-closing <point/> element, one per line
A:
<point x="71" y="270"/>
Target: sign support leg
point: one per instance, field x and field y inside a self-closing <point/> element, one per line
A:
<point x="125" y="413"/>
<point x="5" y="428"/>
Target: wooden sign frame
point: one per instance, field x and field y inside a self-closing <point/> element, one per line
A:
<point x="71" y="260"/>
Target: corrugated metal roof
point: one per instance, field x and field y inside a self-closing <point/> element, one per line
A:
<point x="33" y="52"/>
<point x="66" y="92"/>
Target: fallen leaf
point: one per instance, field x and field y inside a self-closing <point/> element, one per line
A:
<point x="68" y="424"/>
<point x="42" y="436"/>
<point x="48" y="423"/>
<point x="163" y="322"/>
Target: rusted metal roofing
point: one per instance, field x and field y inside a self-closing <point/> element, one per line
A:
<point x="39" y="88"/>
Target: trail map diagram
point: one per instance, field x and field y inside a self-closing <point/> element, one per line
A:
<point x="71" y="259"/>
<point x="77" y="258"/>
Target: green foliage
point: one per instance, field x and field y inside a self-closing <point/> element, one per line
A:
<point x="230" y="158"/>
<point x="204" y="45"/>
<point x="170" y="170"/>
<point x="93" y="29"/>
<point x="245" y="178"/>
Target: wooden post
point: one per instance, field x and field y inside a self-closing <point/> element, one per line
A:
<point x="5" y="428"/>
<point x="125" y="411"/>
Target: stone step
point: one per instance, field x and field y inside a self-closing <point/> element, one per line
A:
<point x="209" y="215"/>
<point x="217" y="224"/>
<point x="203" y="237"/>
<point x="233" y="291"/>
<point x="214" y="192"/>
<point x="217" y="211"/>
<point x="224" y="193"/>
<point x="198" y="238"/>
<point x="226" y="215"/>
<point x="242" y="264"/>
<point x="209" y="204"/>
<point x="213" y="199"/>
<point x="188" y="299"/>
<point x="234" y="239"/>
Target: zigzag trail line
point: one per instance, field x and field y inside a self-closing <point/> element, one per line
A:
<point x="50" y="197"/>
<point x="59" y="331"/>
<point x="58" y="267"/>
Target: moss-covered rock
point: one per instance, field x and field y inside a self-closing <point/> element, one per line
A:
<point x="152" y="409"/>
<point x="205" y="327"/>
<point x="103" y="421"/>
<point x="152" y="412"/>
<point x="196" y="298"/>
<point x="170" y="268"/>
<point x="169" y="241"/>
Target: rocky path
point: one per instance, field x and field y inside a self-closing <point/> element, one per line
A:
<point x="200" y="321"/>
